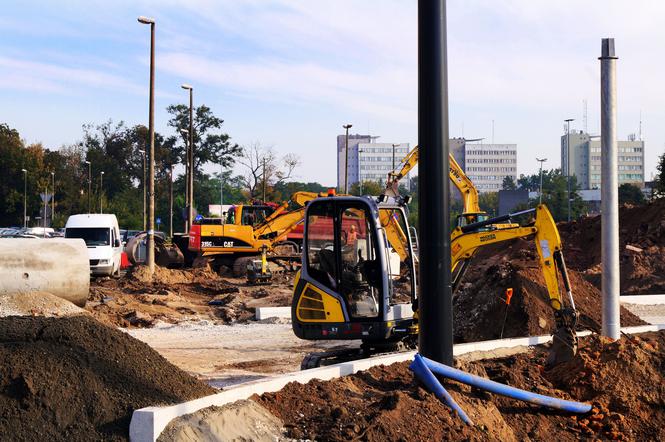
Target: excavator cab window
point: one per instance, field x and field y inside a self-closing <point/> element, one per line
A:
<point x="341" y="254"/>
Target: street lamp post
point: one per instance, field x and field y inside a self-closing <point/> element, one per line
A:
<point x="394" y="146"/>
<point x="346" y="160"/>
<point x="142" y="152"/>
<point x="568" y="159"/>
<point x="151" y="165"/>
<point x="25" y="198"/>
<point x="360" y="177"/>
<point x="171" y="201"/>
<point x="89" y="184"/>
<point x="540" y="194"/>
<point x="221" y="192"/>
<point x="53" y="199"/>
<point x="101" y="190"/>
<point x="185" y="132"/>
<point x="190" y="209"/>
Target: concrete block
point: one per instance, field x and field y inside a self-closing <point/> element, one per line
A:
<point x="642" y="299"/>
<point x="273" y="312"/>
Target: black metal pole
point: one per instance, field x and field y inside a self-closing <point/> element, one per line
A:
<point x="190" y="211"/>
<point x="435" y="301"/>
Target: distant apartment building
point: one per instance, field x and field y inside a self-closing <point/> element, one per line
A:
<point x="487" y="165"/>
<point x="368" y="160"/>
<point x="585" y="160"/>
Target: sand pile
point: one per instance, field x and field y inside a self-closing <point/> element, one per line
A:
<point x="480" y="308"/>
<point x="76" y="379"/>
<point x="36" y="304"/>
<point x="625" y="382"/>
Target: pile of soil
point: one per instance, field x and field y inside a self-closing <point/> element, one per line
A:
<point x="76" y="379"/>
<point x="174" y="295"/>
<point x="624" y="381"/>
<point x="642" y="245"/>
<point x="36" y="304"/>
<point x="480" y="309"/>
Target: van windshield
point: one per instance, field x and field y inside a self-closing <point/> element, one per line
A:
<point x="93" y="236"/>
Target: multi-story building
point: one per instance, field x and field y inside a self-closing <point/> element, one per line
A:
<point x="585" y="160"/>
<point x="368" y="160"/>
<point x="487" y="165"/>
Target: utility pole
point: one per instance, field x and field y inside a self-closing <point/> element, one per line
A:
<point x="25" y="198"/>
<point x="142" y="152"/>
<point x="609" y="200"/>
<point x="540" y="194"/>
<point x="89" y="184"/>
<point x="171" y="201"/>
<point x="150" y="258"/>
<point x="360" y="178"/>
<point x="435" y="303"/>
<point x="264" y="180"/>
<point x="221" y="192"/>
<point x="394" y="146"/>
<point x="346" y="160"/>
<point x="185" y="132"/>
<point x="568" y="153"/>
<point x="53" y="199"/>
<point x="101" y="190"/>
<point x="190" y="156"/>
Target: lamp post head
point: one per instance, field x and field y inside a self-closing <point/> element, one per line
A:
<point x="568" y="120"/>
<point x="141" y="151"/>
<point x="86" y="162"/>
<point x="186" y="86"/>
<point x="102" y="172"/>
<point x="146" y="20"/>
<point x="24" y="171"/>
<point x="52" y="173"/>
<point x="347" y="126"/>
<point x="184" y="131"/>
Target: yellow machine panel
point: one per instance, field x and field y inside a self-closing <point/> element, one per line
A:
<point x="315" y="305"/>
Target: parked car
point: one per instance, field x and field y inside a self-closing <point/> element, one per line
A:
<point x="102" y="236"/>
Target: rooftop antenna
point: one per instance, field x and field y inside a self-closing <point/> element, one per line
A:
<point x="640" y="131"/>
<point x="492" y="131"/>
<point x="584" y="116"/>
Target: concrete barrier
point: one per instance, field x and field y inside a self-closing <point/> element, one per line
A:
<point x="642" y="299"/>
<point x="273" y="312"/>
<point x="148" y="423"/>
<point x="59" y="266"/>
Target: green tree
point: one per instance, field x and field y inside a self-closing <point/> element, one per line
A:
<point x="369" y="188"/>
<point x="211" y="145"/>
<point x="508" y="183"/>
<point x="555" y="193"/>
<point x="659" y="184"/>
<point x="629" y="193"/>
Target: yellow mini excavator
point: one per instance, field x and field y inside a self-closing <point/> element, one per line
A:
<point x="357" y="280"/>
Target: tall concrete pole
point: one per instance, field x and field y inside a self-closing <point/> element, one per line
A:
<point x="171" y="201"/>
<point x="53" y="199"/>
<point x="150" y="246"/>
<point x="25" y="198"/>
<point x="435" y="302"/>
<point x="192" y="169"/>
<point x="609" y="200"/>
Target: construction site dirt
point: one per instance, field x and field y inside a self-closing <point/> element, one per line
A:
<point x="623" y="380"/>
<point x="77" y="379"/>
<point x="174" y="295"/>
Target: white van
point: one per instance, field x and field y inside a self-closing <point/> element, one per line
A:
<point x="102" y="236"/>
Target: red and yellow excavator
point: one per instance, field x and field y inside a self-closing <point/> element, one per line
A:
<point x="250" y="232"/>
<point x="362" y="284"/>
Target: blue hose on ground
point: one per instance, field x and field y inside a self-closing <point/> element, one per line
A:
<point x="432" y="383"/>
<point x="505" y="390"/>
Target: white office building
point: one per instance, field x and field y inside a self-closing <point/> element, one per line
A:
<point x="487" y="165"/>
<point x="368" y="160"/>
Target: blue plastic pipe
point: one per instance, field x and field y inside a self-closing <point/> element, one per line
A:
<point x="505" y="390"/>
<point x="423" y="373"/>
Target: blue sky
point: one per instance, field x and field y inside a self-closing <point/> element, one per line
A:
<point x="288" y="74"/>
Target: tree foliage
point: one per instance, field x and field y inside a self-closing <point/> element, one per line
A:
<point x="629" y="193"/>
<point x="508" y="183"/>
<point x="659" y="184"/>
<point x="265" y="169"/>
<point x="555" y="193"/>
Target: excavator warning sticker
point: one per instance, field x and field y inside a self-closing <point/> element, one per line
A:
<point x="545" y="247"/>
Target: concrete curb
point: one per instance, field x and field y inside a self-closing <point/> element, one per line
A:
<point x="273" y="312"/>
<point x="642" y="299"/>
<point x="148" y="423"/>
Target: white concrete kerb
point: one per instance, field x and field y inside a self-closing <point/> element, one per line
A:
<point x="272" y="312"/>
<point x="148" y="423"/>
<point x="642" y="299"/>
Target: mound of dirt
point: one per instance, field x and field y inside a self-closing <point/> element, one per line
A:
<point x="642" y="239"/>
<point x="480" y="308"/>
<point x="174" y="295"/>
<point x="76" y="379"/>
<point x="36" y="304"/>
<point x="624" y="381"/>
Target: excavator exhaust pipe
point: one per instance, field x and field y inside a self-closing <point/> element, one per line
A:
<point x="57" y="266"/>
